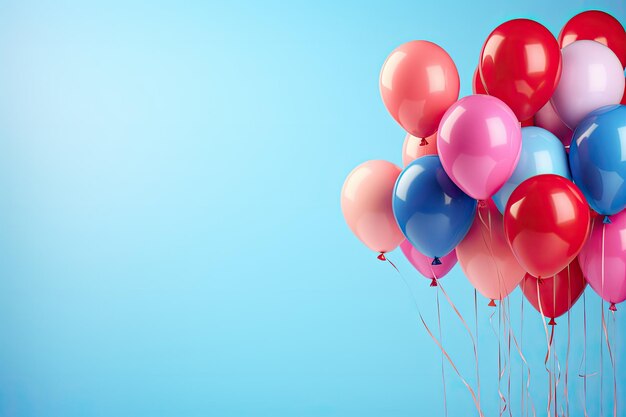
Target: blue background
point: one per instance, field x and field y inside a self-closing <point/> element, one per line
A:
<point x="171" y="240"/>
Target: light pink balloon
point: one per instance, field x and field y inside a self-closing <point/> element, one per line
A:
<point x="366" y="204"/>
<point x="415" y="147"/>
<point x="485" y="255"/>
<point x="592" y="77"/>
<point x="479" y="142"/>
<point x="423" y="263"/>
<point x="547" y="118"/>
<point x="613" y="289"/>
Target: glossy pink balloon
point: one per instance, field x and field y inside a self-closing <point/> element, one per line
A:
<point x="547" y="118"/>
<point x="592" y="77"/>
<point x="366" y="204"/>
<point x="479" y="142"/>
<point x="414" y="148"/>
<point x="423" y="263"/>
<point x="485" y="255"/>
<point x="418" y="82"/>
<point x="613" y="287"/>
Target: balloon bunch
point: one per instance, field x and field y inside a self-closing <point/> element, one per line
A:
<point x="524" y="181"/>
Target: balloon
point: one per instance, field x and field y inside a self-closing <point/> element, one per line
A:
<point x="547" y="118"/>
<point x="485" y="255"/>
<point x="477" y="83"/>
<point x="557" y="295"/>
<point x="592" y="77"/>
<point x="520" y="63"/>
<point x="433" y="213"/>
<point x="598" y="159"/>
<point x="542" y="153"/>
<point x="479" y="142"/>
<point x="613" y="287"/>
<point x="527" y="123"/>
<point x="424" y="265"/>
<point x="418" y="82"/>
<point x="624" y="96"/>
<point x="366" y="205"/>
<point x="546" y="222"/>
<point x="598" y="26"/>
<point x="414" y="147"/>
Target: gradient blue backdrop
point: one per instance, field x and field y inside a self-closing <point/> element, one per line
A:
<point x="171" y="241"/>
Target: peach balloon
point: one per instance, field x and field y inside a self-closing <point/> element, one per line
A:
<point x="366" y="199"/>
<point x="485" y="255"/>
<point x="415" y="147"/>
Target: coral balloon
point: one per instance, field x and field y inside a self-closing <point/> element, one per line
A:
<point x="479" y="142"/>
<point x="598" y="159"/>
<point x="557" y="295"/>
<point x="431" y="211"/>
<point x="598" y="26"/>
<point x="486" y="258"/>
<point x="424" y="265"/>
<point x="520" y="64"/>
<point x="592" y="77"/>
<point x="546" y="222"/>
<point x="366" y="205"/>
<point x="477" y="83"/>
<point x="414" y="148"/>
<point x="542" y="153"/>
<point x="612" y="286"/>
<point x="418" y="82"/>
<point x="547" y="118"/>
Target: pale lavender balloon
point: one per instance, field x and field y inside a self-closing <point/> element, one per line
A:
<point x="423" y="263"/>
<point x="592" y="77"/>
<point x="547" y="118"/>
<point x="479" y="142"/>
<point x="613" y="287"/>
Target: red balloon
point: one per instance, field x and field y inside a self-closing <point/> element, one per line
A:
<point x="546" y="222"/>
<point x="598" y="26"/>
<point x="529" y="122"/>
<point x="520" y="64"/>
<point x="558" y="294"/>
<point x="418" y="82"/>
<point x="477" y="83"/>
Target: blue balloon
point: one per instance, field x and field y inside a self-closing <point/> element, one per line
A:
<point x="542" y="153"/>
<point x="597" y="158"/>
<point x="432" y="212"/>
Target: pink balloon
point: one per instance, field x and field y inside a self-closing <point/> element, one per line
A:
<point x="418" y="82"/>
<point x="423" y="263"/>
<point x="592" y="77"/>
<point x="547" y="118"/>
<point x="613" y="289"/>
<point x="366" y="204"/>
<point x="485" y="255"/>
<point x="414" y="148"/>
<point x="479" y="143"/>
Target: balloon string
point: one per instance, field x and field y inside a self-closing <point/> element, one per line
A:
<point x="507" y="325"/>
<point x="477" y="345"/>
<point x="443" y="372"/>
<point x="501" y="367"/>
<point x="608" y="346"/>
<point x="521" y="336"/>
<point x="549" y="342"/>
<point x="430" y="333"/>
<point x="520" y="348"/>
<point x="583" y="360"/>
<point x="603" y="323"/>
<point x="469" y="332"/>
<point x="569" y="329"/>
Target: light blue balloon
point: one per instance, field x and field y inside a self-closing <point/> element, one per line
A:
<point x="542" y="153"/>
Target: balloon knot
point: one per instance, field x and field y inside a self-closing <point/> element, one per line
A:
<point x="540" y="280"/>
<point x="423" y="142"/>
<point x="436" y="261"/>
<point x="492" y="303"/>
<point x="613" y="308"/>
<point x="607" y="220"/>
<point x="552" y="322"/>
<point x="433" y="283"/>
<point x="381" y="257"/>
<point x="482" y="204"/>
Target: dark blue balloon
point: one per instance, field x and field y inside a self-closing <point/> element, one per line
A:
<point x="433" y="213"/>
<point x="597" y="158"/>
